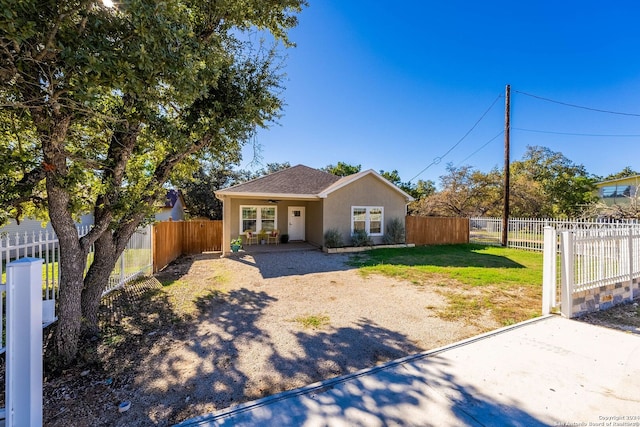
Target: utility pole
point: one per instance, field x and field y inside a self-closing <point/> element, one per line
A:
<point x="507" y="128"/>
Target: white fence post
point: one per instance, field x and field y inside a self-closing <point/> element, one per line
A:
<point x="568" y="273"/>
<point x="24" y="343"/>
<point x="631" y="266"/>
<point x="549" y="270"/>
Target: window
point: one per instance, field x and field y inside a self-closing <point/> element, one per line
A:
<point x="367" y="218"/>
<point x="257" y="218"/>
<point x="614" y="191"/>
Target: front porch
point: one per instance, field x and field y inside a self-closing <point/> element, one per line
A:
<point x="281" y="247"/>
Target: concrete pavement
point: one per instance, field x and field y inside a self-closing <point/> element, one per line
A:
<point x="549" y="371"/>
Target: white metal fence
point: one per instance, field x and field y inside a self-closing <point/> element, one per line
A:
<point x="604" y="257"/>
<point x="528" y="233"/>
<point x="136" y="260"/>
<point x="598" y="268"/>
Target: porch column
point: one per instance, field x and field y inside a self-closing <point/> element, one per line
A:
<point x="226" y="226"/>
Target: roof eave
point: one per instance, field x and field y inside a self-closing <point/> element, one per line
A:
<point x="280" y="196"/>
<point x="636" y="177"/>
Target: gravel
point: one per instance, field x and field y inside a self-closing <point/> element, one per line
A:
<point x="248" y="341"/>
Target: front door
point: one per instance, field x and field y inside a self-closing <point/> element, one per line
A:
<point x="296" y="222"/>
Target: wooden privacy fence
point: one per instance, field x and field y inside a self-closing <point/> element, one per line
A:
<point x="422" y="230"/>
<point x="175" y="238"/>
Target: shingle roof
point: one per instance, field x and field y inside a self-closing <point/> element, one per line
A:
<point x="171" y="198"/>
<point x="296" y="180"/>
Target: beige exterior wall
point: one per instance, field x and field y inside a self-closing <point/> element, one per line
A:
<point x="367" y="191"/>
<point x="619" y="191"/>
<point x="323" y="214"/>
<point x="313" y="218"/>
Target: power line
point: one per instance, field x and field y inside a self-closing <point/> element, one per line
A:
<point x="481" y="147"/>
<point x="578" y="106"/>
<point x="579" y="134"/>
<point x="438" y="159"/>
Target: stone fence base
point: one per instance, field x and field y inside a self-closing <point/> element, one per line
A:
<point x="604" y="297"/>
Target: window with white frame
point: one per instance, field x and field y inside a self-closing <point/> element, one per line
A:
<point x="257" y="218"/>
<point x="367" y="218"/>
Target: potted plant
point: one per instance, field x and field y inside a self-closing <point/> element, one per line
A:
<point x="236" y="244"/>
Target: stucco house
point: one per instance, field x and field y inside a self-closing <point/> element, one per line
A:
<point x="303" y="203"/>
<point x="618" y="191"/>
<point x="173" y="208"/>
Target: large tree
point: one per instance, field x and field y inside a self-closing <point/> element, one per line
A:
<point x="567" y="187"/>
<point x="419" y="190"/>
<point x="199" y="188"/>
<point x="101" y="105"/>
<point x="626" y="172"/>
<point x="342" y="169"/>
<point x="464" y="192"/>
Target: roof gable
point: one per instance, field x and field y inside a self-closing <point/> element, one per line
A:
<point x="344" y="181"/>
<point x="296" y="180"/>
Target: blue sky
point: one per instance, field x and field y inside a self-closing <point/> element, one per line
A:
<point x="395" y="85"/>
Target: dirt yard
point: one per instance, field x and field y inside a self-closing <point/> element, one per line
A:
<point x="208" y="333"/>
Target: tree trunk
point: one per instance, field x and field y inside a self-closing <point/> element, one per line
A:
<point x="73" y="259"/>
<point x="104" y="261"/>
<point x="107" y="249"/>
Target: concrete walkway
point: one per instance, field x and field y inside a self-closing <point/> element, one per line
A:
<point x="549" y="371"/>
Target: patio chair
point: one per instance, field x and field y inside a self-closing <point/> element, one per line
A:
<point x="273" y="235"/>
<point x="250" y="236"/>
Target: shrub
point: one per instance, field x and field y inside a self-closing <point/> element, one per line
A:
<point x="395" y="232"/>
<point x="361" y="238"/>
<point x="333" y="238"/>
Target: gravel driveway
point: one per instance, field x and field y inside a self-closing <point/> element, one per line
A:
<point x="249" y="339"/>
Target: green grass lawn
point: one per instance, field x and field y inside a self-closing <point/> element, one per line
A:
<point x="476" y="280"/>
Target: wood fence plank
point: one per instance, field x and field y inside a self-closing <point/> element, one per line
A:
<point x="175" y="238"/>
<point x="436" y="231"/>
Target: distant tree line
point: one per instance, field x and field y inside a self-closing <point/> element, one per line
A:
<point x="544" y="183"/>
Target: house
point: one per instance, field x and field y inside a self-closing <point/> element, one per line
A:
<point x="173" y="208"/>
<point x="618" y="191"/>
<point x="304" y="203"/>
<point x="28" y="227"/>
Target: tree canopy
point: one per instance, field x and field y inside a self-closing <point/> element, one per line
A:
<point x="101" y="106"/>
<point x="543" y="183"/>
<point x="626" y="172"/>
<point x="342" y="169"/>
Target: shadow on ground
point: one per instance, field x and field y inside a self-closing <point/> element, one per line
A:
<point x="393" y="396"/>
<point x="173" y="367"/>
<point x="282" y="264"/>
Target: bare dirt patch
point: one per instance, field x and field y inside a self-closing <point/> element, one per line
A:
<point x="208" y="333"/>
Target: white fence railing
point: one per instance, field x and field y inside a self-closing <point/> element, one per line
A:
<point x="598" y="268"/>
<point x="42" y="244"/>
<point x="136" y="260"/>
<point x="528" y="233"/>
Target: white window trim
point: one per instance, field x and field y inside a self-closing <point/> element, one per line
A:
<point x="367" y="220"/>
<point x="258" y="216"/>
